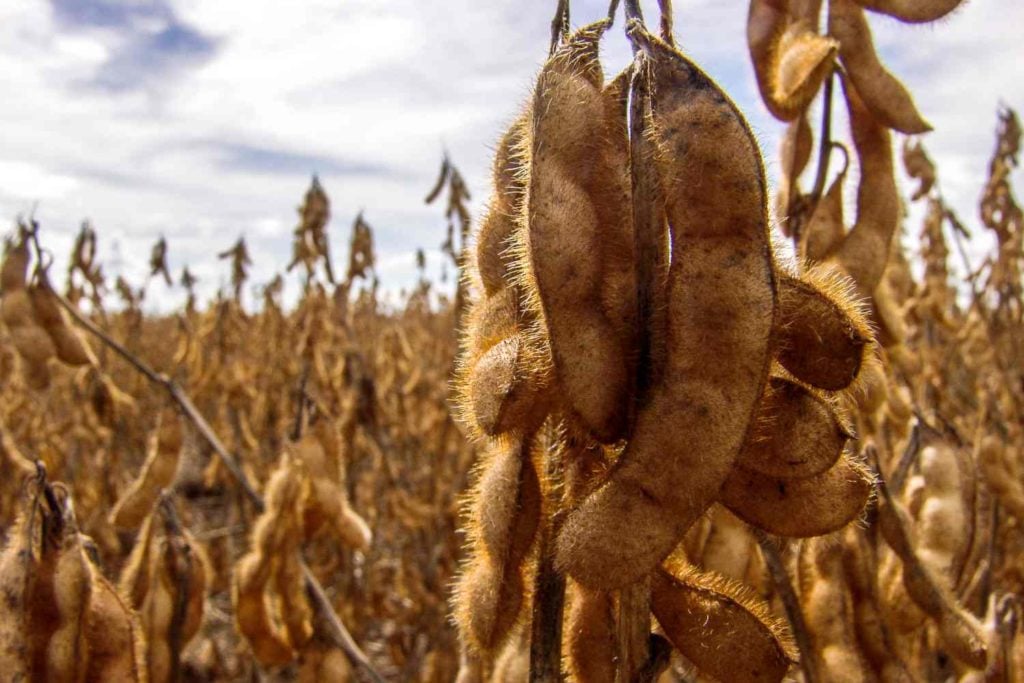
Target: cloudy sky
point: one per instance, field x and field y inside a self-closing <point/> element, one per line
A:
<point x="203" y="120"/>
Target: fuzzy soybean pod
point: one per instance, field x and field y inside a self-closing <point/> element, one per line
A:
<point x="794" y="153"/>
<point x="57" y="609"/>
<point x="158" y="471"/>
<point x="863" y="253"/>
<point x="719" y="311"/>
<point x="886" y="98"/>
<point x="502" y="371"/>
<point x="15" y="565"/>
<point x="68" y="346"/>
<point x="919" y="167"/>
<point x="117" y="647"/>
<point x="325" y="502"/>
<point x="945" y="519"/>
<point x="826" y="227"/>
<point x="505" y="513"/>
<point x="796" y="433"/>
<point x="821" y="333"/>
<point x="576" y="208"/>
<point x="14" y="269"/>
<point x="799" y="508"/>
<point x="253" y="573"/>
<point x="960" y="631"/>
<point x="912" y="11"/>
<point x="707" y="617"/>
<point x="828" y="611"/>
<point x="790" y="59"/>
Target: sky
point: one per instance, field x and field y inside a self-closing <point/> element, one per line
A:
<point x="204" y="120"/>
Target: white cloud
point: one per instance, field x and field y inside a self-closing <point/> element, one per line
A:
<point x="367" y="93"/>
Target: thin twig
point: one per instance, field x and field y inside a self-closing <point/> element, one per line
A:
<point x="559" y="25"/>
<point x="666" y="22"/>
<point x="780" y="578"/>
<point x="337" y="631"/>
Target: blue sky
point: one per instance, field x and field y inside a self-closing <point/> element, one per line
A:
<point x="203" y="120"/>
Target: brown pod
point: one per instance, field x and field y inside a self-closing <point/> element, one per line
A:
<point x="576" y="209"/>
<point x="790" y="59"/>
<point x="719" y="310"/>
<point x="826" y="228"/>
<point x="16" y="307"/>
<point x="32" y="344"/>
<point x="117" y="647"/>
<point x="68" y="346"/>
<point x="493" y="257"/>
<point x="794" y="153"/>
<point x="506" y="513"/>
<point x="796" y="434"/>
<point x="821" y="334"/>
<point x="864" y="252"/>
<point x="158" y="472"/>
<point x="918" y="166"/>
<point x="709" y="619"/>
<point x="15" y="573"/>
<point x="505" y="392"/>
<point x="886" y="98"/>
<point x="14" y="269"/>
<point x="912" y="11"/>
<point x="799" y="508"/>
<point x="960" y="631"/>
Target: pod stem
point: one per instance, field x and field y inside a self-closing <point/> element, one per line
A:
<point x="549" y="584"/>
<point x="634" y="631"/>
<point x="776" y="567"/>
<point x="559" y="25"/>
<point x="824" y="154"/>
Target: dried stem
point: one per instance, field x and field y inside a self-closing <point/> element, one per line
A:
<point x="780" y="578"/>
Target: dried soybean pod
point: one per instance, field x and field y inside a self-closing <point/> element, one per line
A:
<point x="618" y="293"/>
<point x="117" y="648"/>
<point x="863" y="253"/>
<point x="15" y="567"/>
<point x="794" y="153"/>
<point x="912" y="11"/>
<point x="493" y="261"/>
<point x="707" y="618"/>
<point x="918" y="166"/>
<point x="796" y="434"/>
<point x="134" y="579"/>
<point x="886" y="98"/>
<point x="960" y="631"/>
<point x="720" y="310"/>
<point x="67" y="652"/>
<point x="790" y="59"/>
<point x="799" y="508"/>
<point x="828" y="611"/>
<point x="575" y="211"/>
<point x="296" y="612"/>
<point x="506" y="392"/>
<point x="269" y="643"/>
<point x="157" y="473"/>
<point x="826" y="228"/>
<point x="822" y="335"/>
<point x="805" y="60"/>
<point x="14" y="269"/>
<point x="505" y="516"/>
<point x="68" y="346"/>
